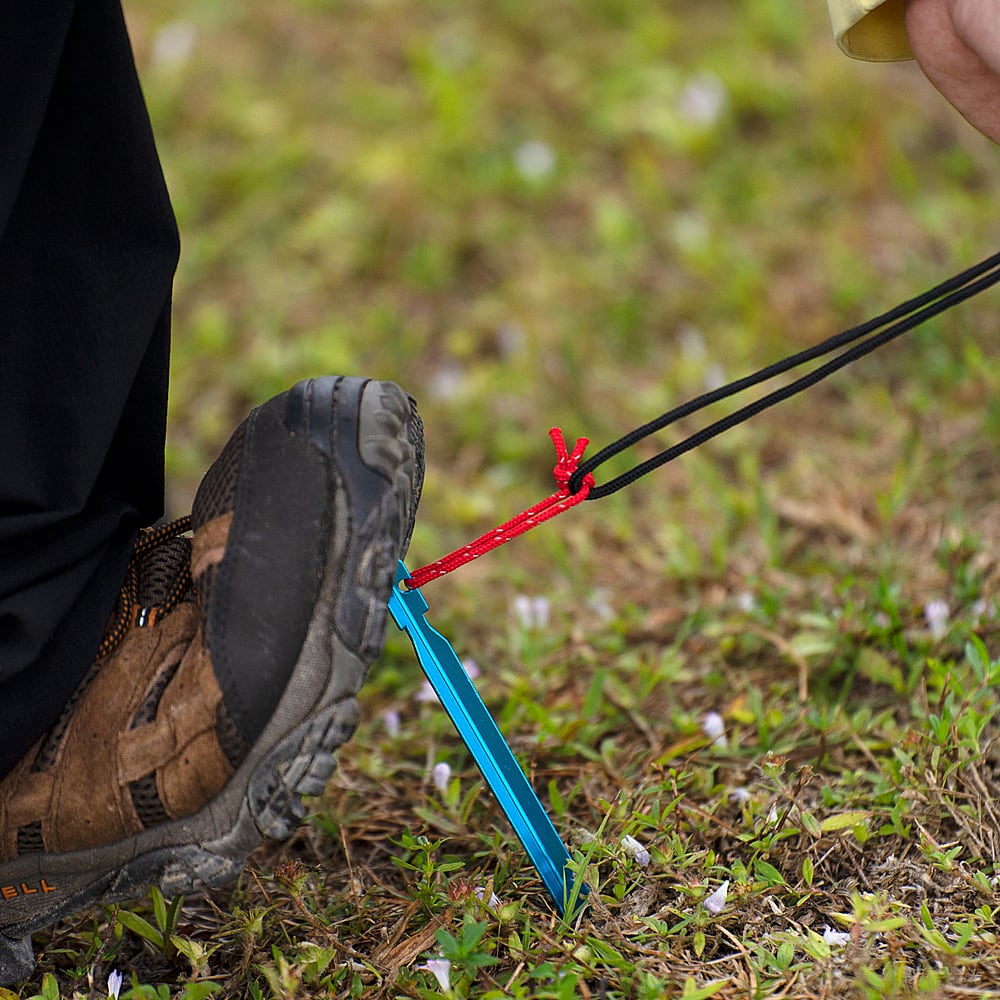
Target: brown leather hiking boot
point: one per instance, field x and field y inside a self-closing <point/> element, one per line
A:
<point x="228" y="676"/>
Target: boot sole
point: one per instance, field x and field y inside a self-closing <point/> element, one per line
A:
<point x="371" y="444"/>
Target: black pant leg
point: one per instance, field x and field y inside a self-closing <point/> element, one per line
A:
<point x="88" y="248"/>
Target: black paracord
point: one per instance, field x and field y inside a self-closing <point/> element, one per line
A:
<point x="902" y="318"/>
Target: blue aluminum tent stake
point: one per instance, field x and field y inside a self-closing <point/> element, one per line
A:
<point x="489" y="749"/>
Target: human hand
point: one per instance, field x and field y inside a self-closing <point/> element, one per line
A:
<point x="957" y="45"/>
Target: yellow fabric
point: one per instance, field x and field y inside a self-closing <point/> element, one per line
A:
<point x="870" y="29"/>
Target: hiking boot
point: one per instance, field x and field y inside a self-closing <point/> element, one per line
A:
<point x="228" y="676"/>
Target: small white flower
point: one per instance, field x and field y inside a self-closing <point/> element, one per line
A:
<point x="715" y="377"/>
<point x="836" y="938"/>
<point x="599" y="605"/>
<point x="636" y="849"/>
<point x="534" y="160"/>
<point x="542" y="610"/>
<point x="703" y="100"/>
<point x="442" y="775"/>
<point x="114" y="984"/>
<point x="510" y="339"/>
<point x="717" y="901"/>
<point x="426" y="694"/>
<point x="936" y="615"/>
<point x="523" y="611"/>
<point x="531" y="612"/>
<point x="714" y="728"/>
<point x="494" y="901"/>
<point x="746" y="602"/>
<point x="692" y="342"/>
<point x="173" y="43"/>
<point x="690" y="231"/>
<point x="471" y="668"/>
<point x="440" y="969"/>
<point x="392" y="722"/>
<point x="447" y="382"/>
<point x="739" y="794"/>
<point x="979" y="610"/>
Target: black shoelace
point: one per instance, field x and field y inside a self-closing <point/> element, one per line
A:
<point x="130" y="610"/>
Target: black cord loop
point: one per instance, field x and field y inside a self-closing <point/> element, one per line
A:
<point x="902" y="319"/>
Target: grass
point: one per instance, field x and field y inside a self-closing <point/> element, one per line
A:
<point x="580" y="214"/>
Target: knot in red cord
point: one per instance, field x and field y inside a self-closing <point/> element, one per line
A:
<point x="566" y="463"/>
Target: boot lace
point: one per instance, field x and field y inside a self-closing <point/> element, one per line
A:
<point x="131" y="610"/>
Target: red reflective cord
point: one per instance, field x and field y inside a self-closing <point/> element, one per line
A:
<point x="557" y="503"/>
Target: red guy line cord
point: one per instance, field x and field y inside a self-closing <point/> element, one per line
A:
<point x="559" y="502"/>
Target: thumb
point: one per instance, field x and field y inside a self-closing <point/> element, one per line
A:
<point x="977" y="24"/>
